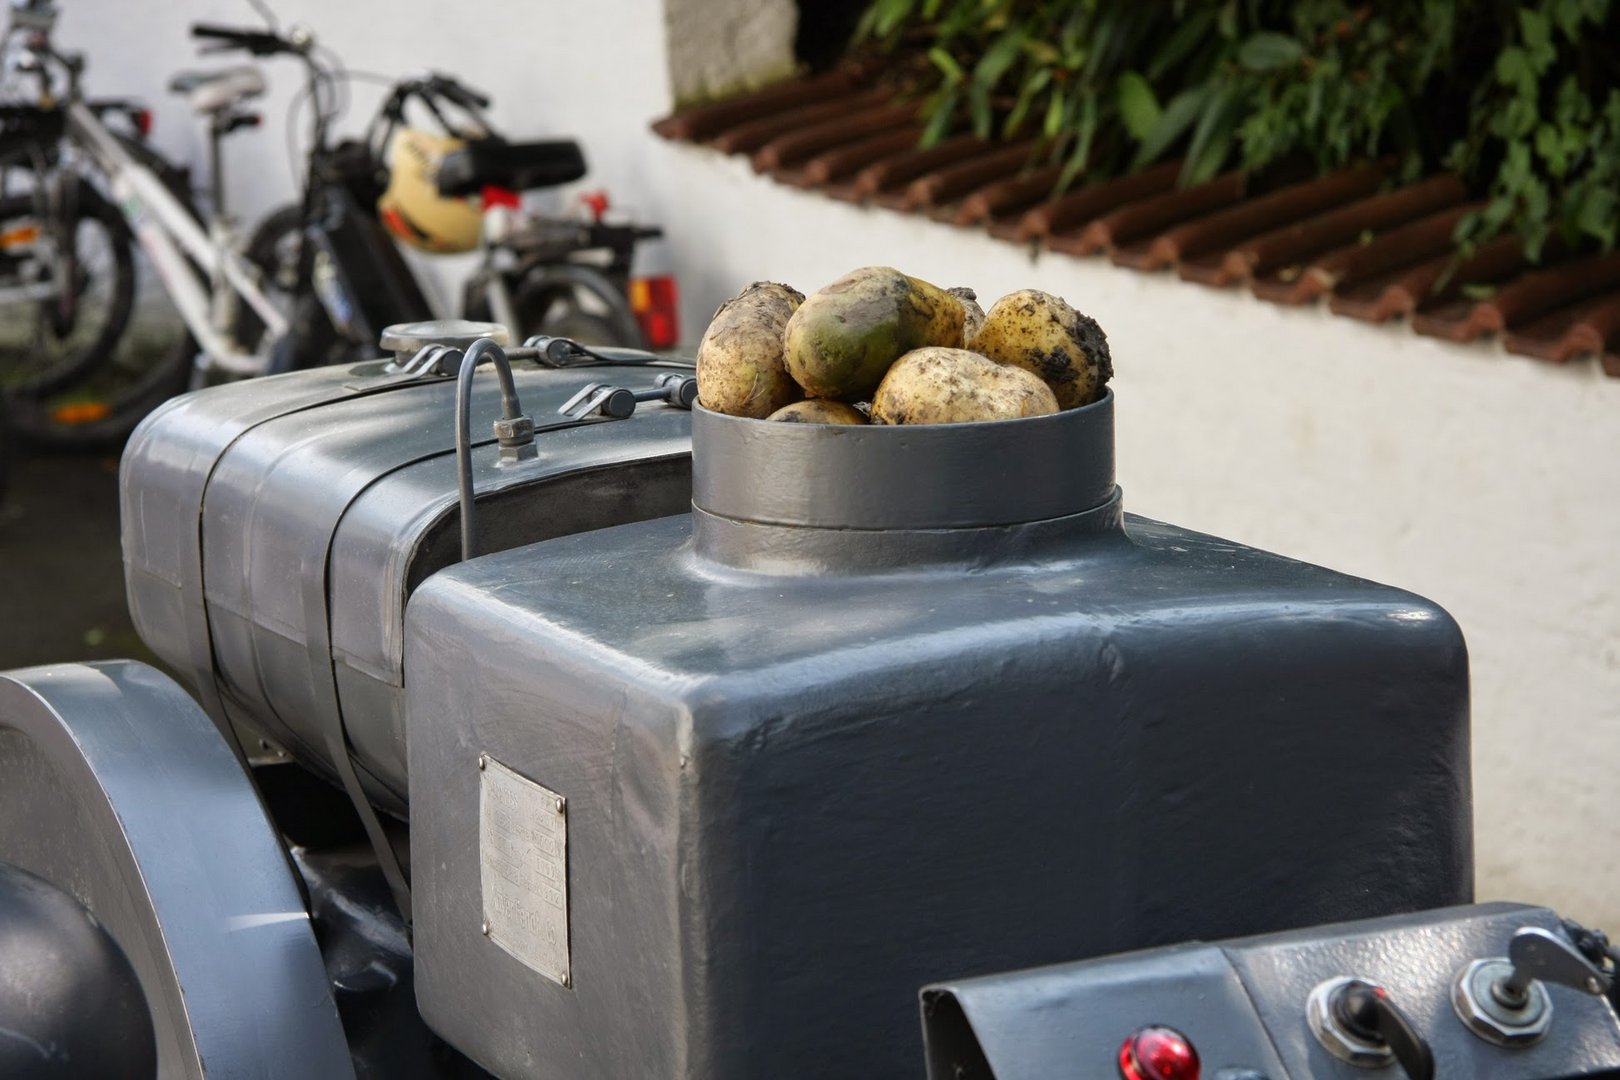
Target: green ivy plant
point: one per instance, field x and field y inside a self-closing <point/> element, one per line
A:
<point x="1522" y="98"/>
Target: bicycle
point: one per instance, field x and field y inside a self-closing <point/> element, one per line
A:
<point x="318" y="282"/>
<point x="537" y="274"/>
<point x="67" y="270"/>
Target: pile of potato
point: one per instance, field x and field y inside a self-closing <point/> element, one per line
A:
<point x="877" y="346"/>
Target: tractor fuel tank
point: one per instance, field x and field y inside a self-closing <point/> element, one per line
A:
<point x="273" y="529"/>
<point x="713" y="795"/>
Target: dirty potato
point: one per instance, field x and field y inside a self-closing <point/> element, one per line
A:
<point x="841" y="340"/>
<point x="972" y="313"/>
<point x="954" y="386"/>
<point x="740" y="369"/>
<point x="1042" y="334"/>
<point x="816" y="411"/>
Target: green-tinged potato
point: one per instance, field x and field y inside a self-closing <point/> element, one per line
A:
<point x="972" y="313"/>
<point x="739" y="361"/>
<point x="841" y="340"/>
<point x="817" y="411"/>
<point x="1041" y="333"/>
<point x="954" y="386"/>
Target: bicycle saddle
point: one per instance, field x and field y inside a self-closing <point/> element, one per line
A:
<point x="518" y="166"/>
<point x="211" y="91"/>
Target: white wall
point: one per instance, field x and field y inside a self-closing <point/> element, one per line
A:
<point x="1487" y="482"/>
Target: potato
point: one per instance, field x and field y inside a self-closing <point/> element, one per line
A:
<point x="954" y="386"/>
<point x="739" y="361"/>
<point x="841" y="341"/>
<point x="972" y="313"/>
<point x="1042" y="334"/>
<point x="816" y="411"/>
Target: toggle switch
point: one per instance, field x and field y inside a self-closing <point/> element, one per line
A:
<point x="1357" y="1021"/>
<point x="1504" y="999"/>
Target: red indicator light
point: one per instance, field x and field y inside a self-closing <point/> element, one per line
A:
<point x="143" y="122"/>
<point x="1158" y="1053"/>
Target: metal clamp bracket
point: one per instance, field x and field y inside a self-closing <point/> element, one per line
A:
<point x="617" y="403"/>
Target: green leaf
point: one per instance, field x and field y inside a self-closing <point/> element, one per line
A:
<point x="979" y="109"/>
<point x="887" y="15"/>
<point x="1212" y="139"/>
<point x="1026" y="99"/>
<point x="946" y="63"/>
<point x="1088" y="128"/>
<point x="1193" y="31"/>
<point x="1071" y="168"/>
<point x="1537" y="32"/>
<point x="1138" y="108"/>
<point x="944" y="114"/>
<point x="1513" y="69"/>
<point x="999" y="57"/>
<point x="1057" y="115"/>
<point x="1478" y="290"/>
<point x="1596" y="214"/>
<point x="1268" y="51"/>
<point x="1178" y="116"/>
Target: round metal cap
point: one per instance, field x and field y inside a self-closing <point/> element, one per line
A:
<point x="456" y="333"/>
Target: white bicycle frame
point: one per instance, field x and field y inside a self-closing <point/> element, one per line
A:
<point x="168" y="233"/>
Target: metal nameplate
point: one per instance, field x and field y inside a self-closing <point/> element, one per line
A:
<point x="523" y="858"/>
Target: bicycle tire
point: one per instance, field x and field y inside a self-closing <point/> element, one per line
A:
<point x="74" y="365"/>
<point x="45" y="424"/>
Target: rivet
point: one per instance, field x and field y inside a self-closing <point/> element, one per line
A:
<point x="483" y="763"/>
<point x="559" y="805"/>
<point x="485" y="928"/>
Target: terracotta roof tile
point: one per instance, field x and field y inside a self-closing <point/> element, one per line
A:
<point x="1376" y="250"/>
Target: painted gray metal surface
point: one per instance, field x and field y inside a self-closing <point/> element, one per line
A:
<point x="1243" y="1005"/>
<point x="942" y="476"/>
<point x="800" y="788"/>
<point x="273" y="531"/>
<point x="115" y="787"/>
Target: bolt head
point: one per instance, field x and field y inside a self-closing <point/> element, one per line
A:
<point x="484" y="929"/>
<point x="483" y="762"/>
<point x="518" y="431"/>
<point x="1477" y="1005"/>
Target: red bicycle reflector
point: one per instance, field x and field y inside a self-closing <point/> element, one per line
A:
<point x="81" y="412"/>
<point x="19" y="236"/>
<point x="1158" y="1053"/>
<point x="494" y="195"/>
<point x="143" y="122"/>
<point x="656" y="308"/>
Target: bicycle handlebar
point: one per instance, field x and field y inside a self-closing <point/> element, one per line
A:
<point x="257" y="42"/>
<point x="462" y="95"/>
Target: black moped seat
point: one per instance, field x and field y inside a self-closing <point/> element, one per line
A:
<point x="518" y="166"/>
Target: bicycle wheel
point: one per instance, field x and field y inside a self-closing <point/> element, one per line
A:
<point x="102" y="409"/>
<point x="71" y="284"/>
<point x="570" y="301"/>
<point x="277" y="250"/>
